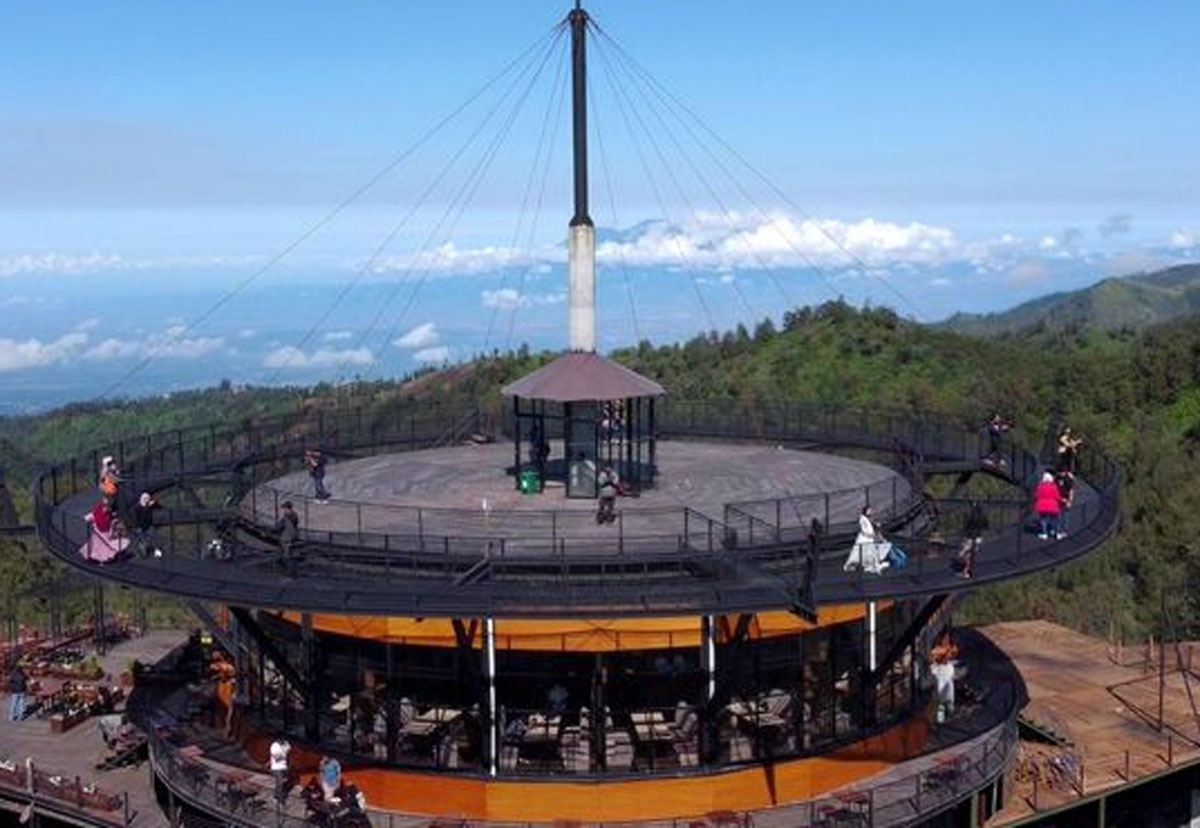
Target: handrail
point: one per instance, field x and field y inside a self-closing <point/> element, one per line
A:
<point x="664" y="546"/>
<point x="64" y="796"/>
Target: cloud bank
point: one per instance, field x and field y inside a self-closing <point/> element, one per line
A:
<point x="289" y="357"/>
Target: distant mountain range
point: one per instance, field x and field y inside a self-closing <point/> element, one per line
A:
<point x="1132" y="302"/>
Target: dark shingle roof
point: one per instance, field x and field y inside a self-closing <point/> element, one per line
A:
<point x="583" y="376"/>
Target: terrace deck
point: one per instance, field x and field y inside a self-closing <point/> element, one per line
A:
<point x="76" y="752"/>
<point x="703" y="477"/>
<point x="1104" y="706"/>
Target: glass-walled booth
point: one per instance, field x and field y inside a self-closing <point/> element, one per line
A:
<point x="579" y="418"/>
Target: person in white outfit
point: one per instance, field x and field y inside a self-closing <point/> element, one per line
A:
<point x="280" y="749"/>
<point x="870" y="550"/>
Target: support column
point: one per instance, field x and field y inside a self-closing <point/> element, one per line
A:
<point x="871" y="639"/>
<point x="493" y="721"/>
<point x="581" y="291"/>
<point x="708" y="662"/>
<point x="708" y="656"/>
<point x="312" y="699"/>
<point x="581" y="237"/>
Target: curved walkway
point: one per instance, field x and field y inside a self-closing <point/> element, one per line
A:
<point x="753" y="557"/>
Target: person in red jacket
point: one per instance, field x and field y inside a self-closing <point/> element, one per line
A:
<point x="1047" y="504"/>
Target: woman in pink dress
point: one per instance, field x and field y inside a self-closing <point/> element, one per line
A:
<point x="101" y="546"/>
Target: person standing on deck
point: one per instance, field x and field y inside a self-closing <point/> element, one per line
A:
<point x="314" y="459"/>
<point x="18" y="684"/>
<point x="143" y="526"/>
<point x="287" y="529"/>
<point x="1047" y="505"/>
<point x="974" y="525"/>
<point x="607" y="482"/>
<point x="280" y="749"/>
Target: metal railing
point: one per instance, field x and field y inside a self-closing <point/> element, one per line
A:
<point x="654" y="546"/>
<point x="53" y="793"/>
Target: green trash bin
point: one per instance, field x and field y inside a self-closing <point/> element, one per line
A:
<point x="529" y="482"/>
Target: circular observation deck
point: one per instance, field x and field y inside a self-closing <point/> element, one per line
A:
<point x="426" y="522"/>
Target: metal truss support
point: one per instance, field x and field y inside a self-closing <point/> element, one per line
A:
<point x="312" y="671"/>
<point x="267" y="647"/>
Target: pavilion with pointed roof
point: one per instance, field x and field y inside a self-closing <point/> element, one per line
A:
<point x="579" y="414"/>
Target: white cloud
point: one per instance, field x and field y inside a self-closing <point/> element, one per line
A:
<point x="170" y="343"/>
<point x="293" y="358"/>
<point x="20" y="264"/>
<point x="33" y="353"/>
<point x="88" y="324"/>
<point x="509" y="298"/>
<point x="777" y="240"/>
<point x="421" y="336"/>
<point x="450" y="259"/>
<point x="504" y="298"/>
<point x="437" y="355"/>
<point x="113" y="349"/>
<point x="74" y="264"/>
<point x="1183" y="239"/>
<point x="338" y="336"/>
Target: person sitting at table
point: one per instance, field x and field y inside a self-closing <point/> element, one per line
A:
<point x="329" y="776"/>
<point x="557" y="697"/>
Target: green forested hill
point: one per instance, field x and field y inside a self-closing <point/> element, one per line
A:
<point x="1135" y="394"/>
<point x="1131" y="302"/>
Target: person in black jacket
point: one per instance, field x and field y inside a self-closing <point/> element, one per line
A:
<point x="287" y="529"/>
<point x="974" y="525"/>
<point x="18" y="684"/>
<point x="143" y="526"/>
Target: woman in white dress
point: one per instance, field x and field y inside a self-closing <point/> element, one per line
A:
<point x="870" y="550"/>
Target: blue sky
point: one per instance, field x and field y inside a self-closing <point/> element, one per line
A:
<point x="967" y="155"/>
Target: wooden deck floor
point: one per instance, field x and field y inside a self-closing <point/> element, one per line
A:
<point x="701" y="476"/>
<point x="1104" y="706"/>
<point x="76" y="752"/>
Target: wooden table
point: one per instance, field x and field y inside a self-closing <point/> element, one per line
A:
<point x="647" y="716"/>
<point x="654" y="731"/>
<point x="541" y="729"/>
<point x="426" y="723"/>
<point x="749" y="713"/>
